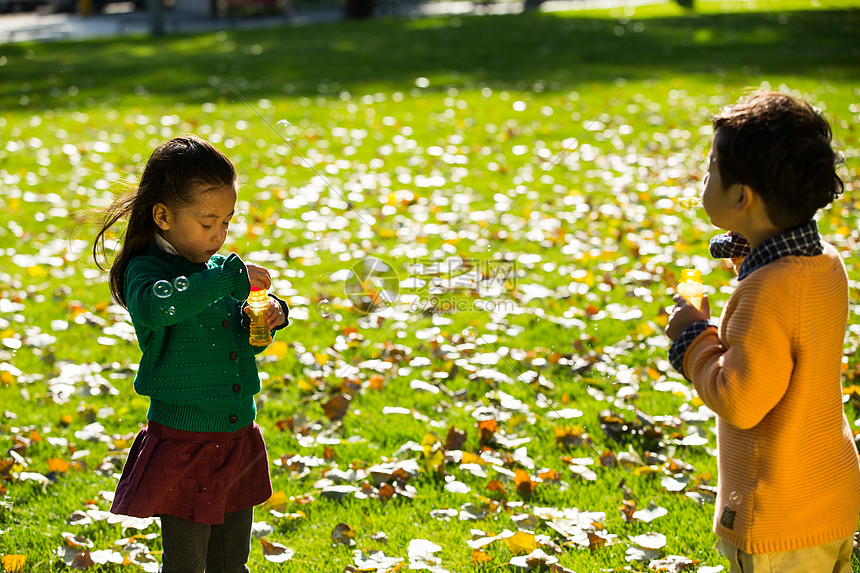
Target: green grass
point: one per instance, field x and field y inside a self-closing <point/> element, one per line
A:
<point x="434" y="137"/>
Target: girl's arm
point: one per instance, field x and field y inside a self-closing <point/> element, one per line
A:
<point x="158" y="308"/>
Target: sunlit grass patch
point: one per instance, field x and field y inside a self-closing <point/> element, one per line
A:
<point x="519" y="177"/>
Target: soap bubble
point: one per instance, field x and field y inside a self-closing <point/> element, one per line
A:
<point x="180" y="284"/>
<point x="171" y="310"/>
<point x="372" y="284"/>
<point x="735" y="498"/>
<point x="470" y="334"/>
<point x="162" y="289"/>
<point x="288" y="129"/>
<point x="324" y="308"/>
<point x="687" y="202"/>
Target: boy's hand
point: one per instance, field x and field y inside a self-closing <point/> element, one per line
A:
<point x="274" y="314"/>
<point x="684" y="314"/>
<point x="258" y="276"/>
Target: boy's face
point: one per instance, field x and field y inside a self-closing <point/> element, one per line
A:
<point x="198" y="230"/>
<point x="715" y="199"/>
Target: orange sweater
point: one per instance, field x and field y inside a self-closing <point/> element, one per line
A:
<point x="789" y="476"/>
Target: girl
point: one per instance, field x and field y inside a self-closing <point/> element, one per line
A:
<point x="200" y="463"/>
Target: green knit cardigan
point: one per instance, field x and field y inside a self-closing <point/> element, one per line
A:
<point x="198" y="368"/>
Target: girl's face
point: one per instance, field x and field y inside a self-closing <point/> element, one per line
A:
<point x="198" y="230"/>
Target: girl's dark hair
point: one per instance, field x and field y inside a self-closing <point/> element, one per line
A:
<point x="781" y="147"/>
<point x="171" y="176"/>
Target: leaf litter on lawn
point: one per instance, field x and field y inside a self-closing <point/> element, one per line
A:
<point x="584" y="233"/>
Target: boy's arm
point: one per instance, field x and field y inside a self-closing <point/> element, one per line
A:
<point x="744" y="375"/>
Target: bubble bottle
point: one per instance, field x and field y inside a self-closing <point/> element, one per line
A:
<point x="258" y="302"/>
<point x="691" y="287"/>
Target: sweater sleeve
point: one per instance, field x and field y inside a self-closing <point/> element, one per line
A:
<point x="743" y="371"/>
<point x="172" y="305"/>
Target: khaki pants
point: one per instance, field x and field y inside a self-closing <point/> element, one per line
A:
<point x="833" y="557"/>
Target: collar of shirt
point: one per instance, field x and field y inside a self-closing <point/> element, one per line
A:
<point x="803" y="241"/>
<point x="164" y="245"/>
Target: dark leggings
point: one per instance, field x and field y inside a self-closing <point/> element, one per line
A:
<point x="196" y="547"/>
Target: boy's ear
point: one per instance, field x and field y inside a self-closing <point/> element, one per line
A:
<point x="745" y="197"/>
<point x="161" y="216"/>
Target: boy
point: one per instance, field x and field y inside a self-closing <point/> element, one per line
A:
<point x="789" y="479"/>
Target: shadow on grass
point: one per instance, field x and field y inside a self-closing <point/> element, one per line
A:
<point x="559" y="52"/>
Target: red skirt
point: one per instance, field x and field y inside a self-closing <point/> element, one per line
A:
<point x="197" y="476"/>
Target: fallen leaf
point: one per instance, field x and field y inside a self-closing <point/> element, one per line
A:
<point x="524" y="483"/>
<point x="486" y="430"/>
<point x="672" y="563"/>
<point x="275" y="552"/>
<point x="650" y="513"/>
<point x="519" y="542"/>
<point x="455" y="439"/>
<point x="13" y="563"/>
<point x="343" y="533"/>
<point x="652" y="540"/>
<point x="335" y="409"/>
<point x="480" y="557"/>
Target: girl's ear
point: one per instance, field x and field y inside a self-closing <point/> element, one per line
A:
<point x="161" y="216"/>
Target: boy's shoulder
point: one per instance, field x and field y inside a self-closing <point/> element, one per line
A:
<point x="783" y="277"/>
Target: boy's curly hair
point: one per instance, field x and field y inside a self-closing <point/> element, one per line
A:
<point x="781" y="147"/>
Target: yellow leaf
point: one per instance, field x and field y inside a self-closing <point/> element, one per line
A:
<point x="645" y="329"/>
<point x="6" y="378"/>
<point x="278" y="501"/>
<point x="645" y="471"/>
<point x="434" y="454"/>
<point x="470" y="458"/>
<point x="521" y="542"/>
<point x="305" y="386"/>
<point x="480" y="557"/>
<point x="278" y="349"/>
<point x="14" y="563"/>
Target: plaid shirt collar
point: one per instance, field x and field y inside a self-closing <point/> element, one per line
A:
<point x="802" y="240"/>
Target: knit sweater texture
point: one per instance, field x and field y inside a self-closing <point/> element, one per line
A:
<point x="197" y="367"/>
<point x="789" y="476"/>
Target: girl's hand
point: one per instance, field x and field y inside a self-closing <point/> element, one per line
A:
<point x="258" y="276"/>
<point x="274" y="314"/>
<point x="684" y="314"/>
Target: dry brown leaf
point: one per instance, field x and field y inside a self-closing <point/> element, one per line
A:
<point x="524" y="483"/>
<point x="275" y="552"/>
<point x="486" y="430"/>
<point x="627" y="509"/>
<point x="455" y="439"/>
<point x="343" y="533"/>
<point x="335" y="409"/>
